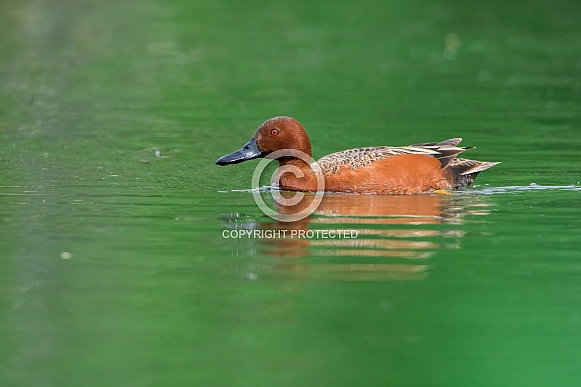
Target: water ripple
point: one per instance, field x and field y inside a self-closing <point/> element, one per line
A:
<point x="519" y="188"/>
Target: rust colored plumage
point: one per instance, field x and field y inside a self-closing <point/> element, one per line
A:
<point x="409" y="169"/>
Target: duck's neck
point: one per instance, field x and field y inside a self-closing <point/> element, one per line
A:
<point x="295" y="174"/>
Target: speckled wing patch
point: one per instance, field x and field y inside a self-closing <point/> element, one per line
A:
<point x="445" y="151"/>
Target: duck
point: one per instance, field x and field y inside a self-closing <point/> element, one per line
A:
<point x="413" y="169"/>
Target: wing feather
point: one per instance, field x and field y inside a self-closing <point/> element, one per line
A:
<point x="445" y="152"/>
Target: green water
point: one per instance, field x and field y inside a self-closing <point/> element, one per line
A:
<point x="114" y="268"/>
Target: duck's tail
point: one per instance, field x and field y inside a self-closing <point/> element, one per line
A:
<point x="464" y="171"/>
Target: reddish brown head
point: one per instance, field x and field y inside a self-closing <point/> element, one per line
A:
<point x="274" y="134"/>
<point x="282" y="133"/>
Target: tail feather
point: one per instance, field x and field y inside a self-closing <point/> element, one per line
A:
<point x="465" y="171"/>
<point x="467" y="167"/>
<point x="462" y="171"/>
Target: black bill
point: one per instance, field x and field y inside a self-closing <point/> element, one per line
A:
<point x="247" y="152"/>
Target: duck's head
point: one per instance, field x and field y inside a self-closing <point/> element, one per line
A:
<point x="274" y="134"/>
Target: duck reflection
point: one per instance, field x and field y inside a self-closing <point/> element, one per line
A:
<point x="364" y="237"/>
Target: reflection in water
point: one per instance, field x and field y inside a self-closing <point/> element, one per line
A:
<point x="359" y="237"/>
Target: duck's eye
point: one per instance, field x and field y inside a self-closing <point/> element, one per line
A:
<point x="274" y="132"/>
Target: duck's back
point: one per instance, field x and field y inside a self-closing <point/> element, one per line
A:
<point x="406" y="169"/>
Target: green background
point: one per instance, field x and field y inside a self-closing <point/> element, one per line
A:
<point x="113" y="266"/>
